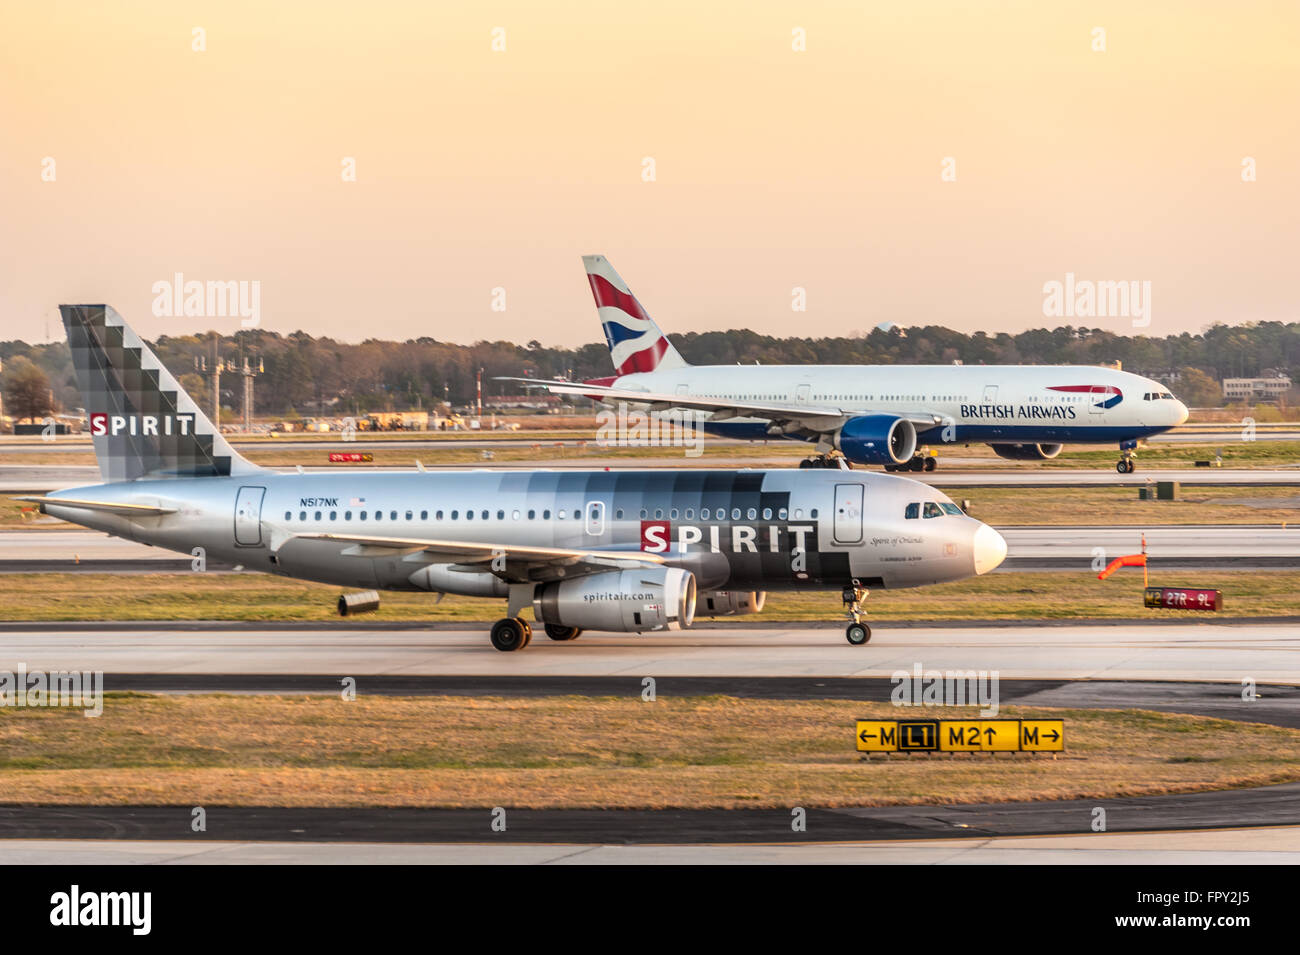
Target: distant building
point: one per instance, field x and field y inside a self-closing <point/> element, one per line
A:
<point x="1251" y="389"/>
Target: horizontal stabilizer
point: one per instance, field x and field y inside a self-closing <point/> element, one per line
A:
<point x="127" y="510"/>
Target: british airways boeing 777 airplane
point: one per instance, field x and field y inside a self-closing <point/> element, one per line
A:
<point x="622" y="551"/>
<point x="875" y="414"/>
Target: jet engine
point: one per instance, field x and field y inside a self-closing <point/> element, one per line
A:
<point x="1027" y="452"/>
<point x="727" y="603"/>
<point x="877" y="439"/>
<point x="622" y="601"/>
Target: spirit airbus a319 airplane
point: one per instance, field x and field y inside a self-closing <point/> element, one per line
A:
<point x="621" y="551"/>
<point x="874" y="414"/>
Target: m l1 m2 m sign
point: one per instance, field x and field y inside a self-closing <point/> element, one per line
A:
<point x="960" y="736"/>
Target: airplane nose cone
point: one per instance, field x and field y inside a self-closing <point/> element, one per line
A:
<point x="1180" y="413"/>
<point x="989" y="549"/>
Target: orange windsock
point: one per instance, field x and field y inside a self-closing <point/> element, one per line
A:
<point x="1128" y="560"/>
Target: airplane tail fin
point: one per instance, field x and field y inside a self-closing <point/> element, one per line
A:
<point x="635" y="342"/>
<point x="142" y="422"/>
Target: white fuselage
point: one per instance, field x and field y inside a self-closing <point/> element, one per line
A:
<point x="993" y="403"/>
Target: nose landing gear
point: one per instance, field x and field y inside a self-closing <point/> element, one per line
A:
<point x="857" y="633"/>
<point x="1127" y="463"/>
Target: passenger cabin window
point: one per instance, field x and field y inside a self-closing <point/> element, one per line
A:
<point x="912" y="511"/>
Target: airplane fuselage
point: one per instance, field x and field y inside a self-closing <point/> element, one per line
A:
<point x="748" y="529"/>
<point x="976" y="403"/>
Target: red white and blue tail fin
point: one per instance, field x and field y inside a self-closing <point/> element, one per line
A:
<point x="635" y="342"/>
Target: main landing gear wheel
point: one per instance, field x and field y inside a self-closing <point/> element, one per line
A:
<point x="511" y="633"/>
<point x="857" y="634"/>
<point x="559" y="632"/>
<point x="834" y="461"/>
<point x="918" y="462"/>
<point x="1126" y="465"/>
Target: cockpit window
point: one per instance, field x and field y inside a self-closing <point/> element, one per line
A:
<point x="932" y="509"/>
<point x="912" y="512"/>
<point x="950" y="508"/>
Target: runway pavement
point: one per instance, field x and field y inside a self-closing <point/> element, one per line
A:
<point x="1265" y="846"/>
<point x="1262" y="806"/>
<point x="1265" y="653"/>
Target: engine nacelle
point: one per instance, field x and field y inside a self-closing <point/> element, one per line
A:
<point x="877" y="439"/>
<point x="1027" y="452"/>
<point x="622" y="601"/>
<point x="727" y="603"/>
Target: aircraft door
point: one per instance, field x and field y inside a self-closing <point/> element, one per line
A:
<point x="990" y="394"/>
<point x="801" y="394"/>
<point x="1097" y="398"/>
<point x="248" y="516"/>
<point x="848" y="513"/>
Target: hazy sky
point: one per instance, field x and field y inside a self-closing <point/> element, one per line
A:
<point x="774" y="168"/>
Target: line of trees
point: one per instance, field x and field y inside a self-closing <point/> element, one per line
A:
<point x="305" y="375"/>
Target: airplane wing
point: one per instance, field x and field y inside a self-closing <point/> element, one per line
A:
<point x="520" y="564"/>
<point x="786" y="418"/>
<point x="126" y="510"/>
